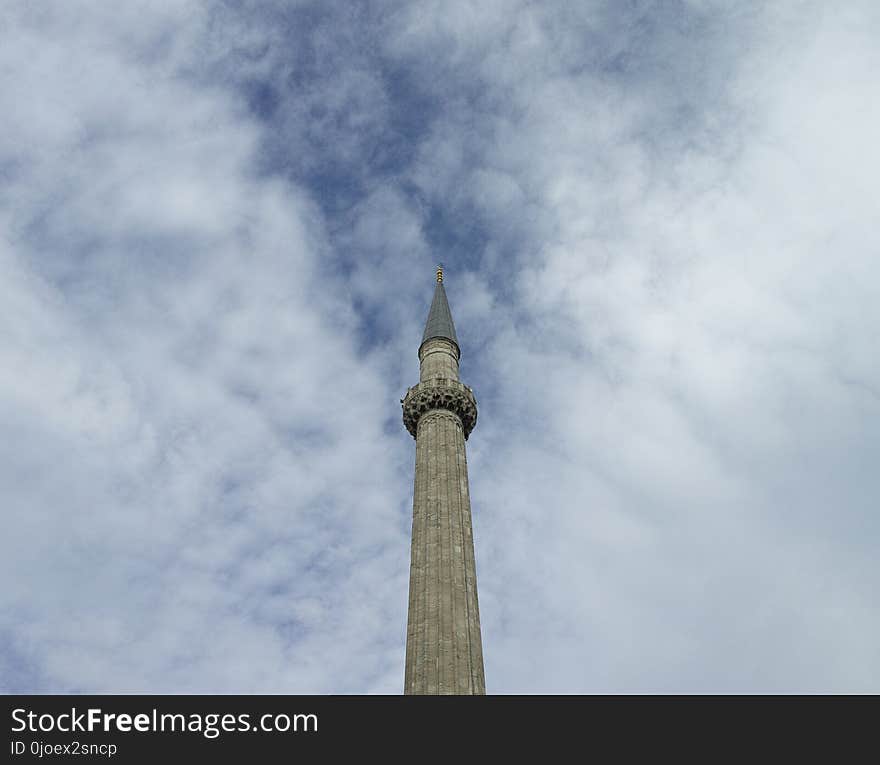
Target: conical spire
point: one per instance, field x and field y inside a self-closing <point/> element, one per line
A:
<point x="439" y="322"/>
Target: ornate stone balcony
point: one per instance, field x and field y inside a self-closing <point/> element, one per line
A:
<point x="439" y="393"/>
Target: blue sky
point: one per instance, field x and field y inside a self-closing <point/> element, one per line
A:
<point x="218" y="227"/>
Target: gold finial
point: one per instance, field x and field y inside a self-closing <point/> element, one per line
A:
<point x="439" y="273"/>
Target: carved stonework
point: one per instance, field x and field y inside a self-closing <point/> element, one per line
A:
<point x="440" y="393"/>
<point x="439" y="414"/>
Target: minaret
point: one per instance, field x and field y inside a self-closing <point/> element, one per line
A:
<point x="444" y="653"/>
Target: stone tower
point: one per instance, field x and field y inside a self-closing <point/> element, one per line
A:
<point x="444" y="652"/>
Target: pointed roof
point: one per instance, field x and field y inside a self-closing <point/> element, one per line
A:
<point x="439" y="322"/>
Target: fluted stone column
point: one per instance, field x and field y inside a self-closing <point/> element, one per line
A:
<point x="444" y="652"/>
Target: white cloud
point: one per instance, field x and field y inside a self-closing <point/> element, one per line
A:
<point x="677" y="475"/>
<point x="198" y="490"/>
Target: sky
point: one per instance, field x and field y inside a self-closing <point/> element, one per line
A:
<point x="219" y="223"/>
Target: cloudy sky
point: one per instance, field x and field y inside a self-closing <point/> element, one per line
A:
<point x="218" y="226"/>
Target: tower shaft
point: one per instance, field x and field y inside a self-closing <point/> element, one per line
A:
<point x="444" y="652"/>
